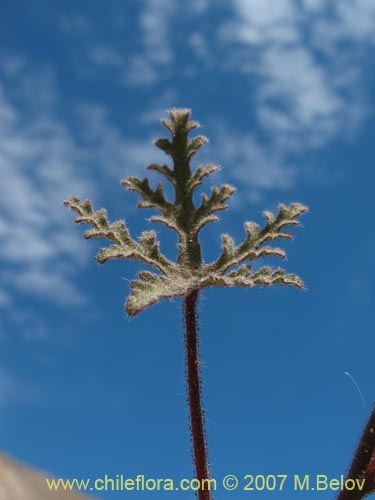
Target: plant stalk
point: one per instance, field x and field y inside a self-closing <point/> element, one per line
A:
<point x="359" y="468"/>
<point x="197" y="423"/>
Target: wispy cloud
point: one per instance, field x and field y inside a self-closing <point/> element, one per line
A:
<point x="4" y="299"/>
<point x="11" y="65"/>
<point x="6" y="388"/>
<point x="155" y="54"/>
<point x="310" y="90"/>
<point x="306" y="89"/>
<point x="149" y="56"/>
<point x="37" y="158"/>
<point x="305" y="99"/>
<point x="42" y="162"/>
<point x="75" y="24"/>
<point x="13" y="390"/>
<point x="115" y="154"/>
<point x="263" y="22"/>
<point x="105" y="55"/>
<point x="253" y="165"/>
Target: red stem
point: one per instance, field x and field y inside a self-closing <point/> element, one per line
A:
<point x="195" y="393"/>
<point x="360" y="467"/>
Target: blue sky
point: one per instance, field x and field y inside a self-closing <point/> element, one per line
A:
<point x="284" y="92"/>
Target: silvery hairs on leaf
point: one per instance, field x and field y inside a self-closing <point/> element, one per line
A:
<point x="189" y="272"/>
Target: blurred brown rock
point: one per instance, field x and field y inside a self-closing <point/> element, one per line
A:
<point x="20" y="482"/>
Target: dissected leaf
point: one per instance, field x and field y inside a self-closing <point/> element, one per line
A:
<point x="176" y="279"/>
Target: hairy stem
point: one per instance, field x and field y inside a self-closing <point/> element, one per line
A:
<point x="195" y="392"/>
<point x="359" y="468"/>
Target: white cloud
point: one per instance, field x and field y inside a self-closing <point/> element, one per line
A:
<point x="266" y="20"/>
<point x="37" y="158"/>
<point x="75" y="24"/>
<point x="315" y="5"/>
<point x="356" y="19"/>
<point x="156" y="29"/>
<point x="13" y="390"/>
<point x="43" y="160"/>
<point x="41" y="164"/>
<point x="199" y="6"/>
<point x="313" y="92"/>
<point x="199" y="44"/>
<point x="11" y="65"/>
<point x="310" y="88"/>
<point x="157" y="108"/>
<point x="6" y="388"/>
<point x="117" y="155"/>
<point x="4" y="299"/>
<point x="53" y="286"/>
<point x="105" y="55"/>
<point x="254" y="166"/>
<point x="309" y="102"/>
<point x="291" y="51"/>
<point x="156" y="53"/>
<point x="141" y="71"/>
